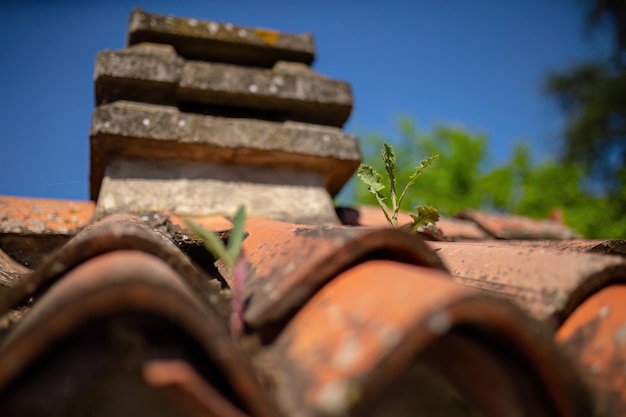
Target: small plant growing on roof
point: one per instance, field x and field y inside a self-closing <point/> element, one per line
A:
<point x="233" y="258"/>
<point x="423" y="214"/>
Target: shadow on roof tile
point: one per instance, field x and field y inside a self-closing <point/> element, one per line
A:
<point x="11" y="272"/>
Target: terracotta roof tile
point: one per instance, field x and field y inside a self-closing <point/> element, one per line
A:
<point x="120" y="284"/>
<point x="580" y="296"/>
<point x="11" y="271"/>
<point x="32" y="227"/>
<point x="116" y="232"/>
<point x="302" y="265"/>
<point x="343" y="351"/>
<point x="370" y="216"/>
<point x="39" y="216"/>
<point x="290" y="262"/>
<point x="469" y="225"/>
<point x="506" y="226"/>
<point x="608" y="247"/>
<point x="595" y="333"/>
<point x="459" y="229"/>
<point x="127" y="313"/>
<point x="550" y="284"/>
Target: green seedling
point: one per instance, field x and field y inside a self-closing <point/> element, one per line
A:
<point x="424" y="214"/>
<point x="233" y="258"/>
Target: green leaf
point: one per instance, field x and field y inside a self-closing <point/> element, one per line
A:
<point x="389" y="158"/>
<point x="425" y="164"/>
<point x="418" y="171"/>
<point x="237" y="233"/>
<point x="371" y="178"/>
<point x="424" y="216"/>
<point x="213" y="243"/>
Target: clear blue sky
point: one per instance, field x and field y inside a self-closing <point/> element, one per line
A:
<point x="479" y="64"/>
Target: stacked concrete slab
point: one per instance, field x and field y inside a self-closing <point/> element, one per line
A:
<point x="198" y="117"/>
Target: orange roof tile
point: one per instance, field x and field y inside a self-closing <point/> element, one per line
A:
<point x="319" y="256"/>
<point x="342" y="352"/>
<point x="290" y="262"/>
<point x="595" y="333"/>
<point x="548" y="283"/>
<point x="122" y="283"/>
<point x="608" y="247"/>
<point x="127" y="314"/>
<point x="43" y="216"/>
<point x="506" y="226"/>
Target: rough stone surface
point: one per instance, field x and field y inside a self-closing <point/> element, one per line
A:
<point x="200" y="189"/>
<point x="223" y="42"/>
<point x="160" y="132"/>
<point x="286" y="92"/>
<point x="146" y="72"/>
<point x="154" y="62"/>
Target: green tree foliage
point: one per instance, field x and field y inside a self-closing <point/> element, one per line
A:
<point x="592" y="96"/>
<point x="465" y="177"/>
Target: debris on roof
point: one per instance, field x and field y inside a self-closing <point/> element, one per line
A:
<point x="114" y="307"/>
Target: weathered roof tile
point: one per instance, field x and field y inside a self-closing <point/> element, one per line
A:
<point x="116" y="232"/>
<point x="38" y="216"/>
<point x="11" y="271"/>
<point x="33" y="227"/>
<point x="580" y="296"/>
<point x="343" y="351"/>
<point x="607" y="247"/>
<point x="124" y="289"/>
<point x="506" y="226"/>
<point x="290" y="262"/>
<point x="595" y="334"/>
<point x="129" y="311"/>
<point x="549" y="284"/>
<point x="459" y="229"/>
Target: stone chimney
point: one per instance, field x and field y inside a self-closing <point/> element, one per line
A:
<point x="198" y="117"/>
